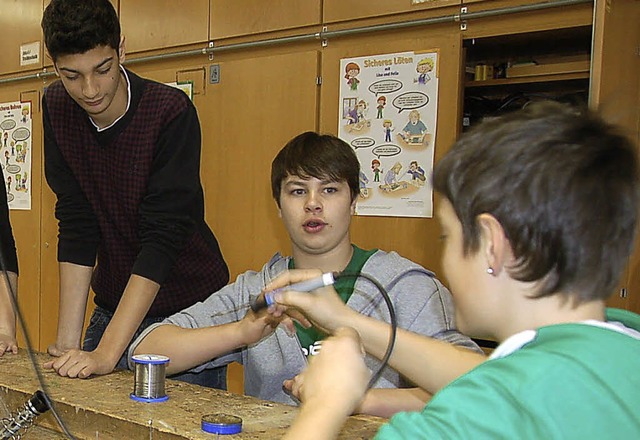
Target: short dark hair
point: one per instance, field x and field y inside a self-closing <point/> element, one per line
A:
<point x="77" y="26"/>
<point x="322" y="156"/>
<point x="564" y="186"/>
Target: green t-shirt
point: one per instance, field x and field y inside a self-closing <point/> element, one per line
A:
<point x="344" y="286"/>
<point x="572" y="381"/>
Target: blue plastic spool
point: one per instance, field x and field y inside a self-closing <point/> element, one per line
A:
<point x="221" y="424"/>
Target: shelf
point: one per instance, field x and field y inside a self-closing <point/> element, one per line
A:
<point x="528" y="79"/>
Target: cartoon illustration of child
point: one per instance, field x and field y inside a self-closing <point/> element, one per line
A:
<point x="5" y="138"/>
<point x="25" y="113"/>
<point x="362" y="111"/>
<point x="387" y="126"/>
<point x="417" y="174"/>
<point x="382" y="101"/>
<point x="391" y="179"/>
<point x="375" y="168"/>
<point x="364" y="192"/>
<point x="6" y="157"/>
<point x="352" y="115"/>
<point x="8" y="184"/>
<point x="352" y="70"/>
<point x="414" y="131"/>
<point x="423" y="68"/>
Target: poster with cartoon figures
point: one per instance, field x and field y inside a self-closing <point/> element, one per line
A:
<point x="15" y="152"/>
<point x="388" y="114"/>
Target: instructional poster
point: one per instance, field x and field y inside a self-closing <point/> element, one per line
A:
<point x="388" y="109"/>
<point x="15" y="152"/>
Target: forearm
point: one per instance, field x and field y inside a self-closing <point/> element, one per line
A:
<point x="321" y="420"/>
<point x="136" y="300"/>
<point x="190" y="347"/>
<point x="385" y="402"/>
<point x="7" y="314"/>
<point x="429" y="363"/>
<point x="74" y="291"/>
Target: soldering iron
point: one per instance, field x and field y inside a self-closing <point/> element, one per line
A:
<point x="266" y="300"/>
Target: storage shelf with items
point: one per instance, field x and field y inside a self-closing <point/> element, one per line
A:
<point x="505" y="72"/>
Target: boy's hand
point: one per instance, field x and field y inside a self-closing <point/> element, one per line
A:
<point x="337" y="376"/>
<point x="323" y="307"/>
<point x="8" y="344"/>
<point x="81" y="364"/>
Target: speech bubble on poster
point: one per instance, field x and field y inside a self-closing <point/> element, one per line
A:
<point x="410" y="101"/>
<point x="363" y="142"/>
<point x="386" y="150"/>
<point x="385" y="86"/>
<point x="8" y="124"/>
<point x="13" y="169"/>
<point x="21" y="134"/>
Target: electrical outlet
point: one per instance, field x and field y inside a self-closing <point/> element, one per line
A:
<point x="214" y="74"/>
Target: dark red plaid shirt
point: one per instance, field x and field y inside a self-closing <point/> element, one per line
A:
<point x="131" y="195"/>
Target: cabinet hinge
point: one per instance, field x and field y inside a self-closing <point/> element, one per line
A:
<point x="623" y="293"/>
<point x="318" y="80"/>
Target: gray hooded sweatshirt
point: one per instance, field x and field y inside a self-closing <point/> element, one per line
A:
<point x="422" y="305"/>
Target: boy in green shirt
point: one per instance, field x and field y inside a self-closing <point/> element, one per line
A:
<point x="538" y="214"/>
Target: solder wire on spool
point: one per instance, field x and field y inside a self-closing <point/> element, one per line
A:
<point x="149" y="377"/>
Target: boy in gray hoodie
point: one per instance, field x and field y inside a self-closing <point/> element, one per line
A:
<point x="314" y="181"/>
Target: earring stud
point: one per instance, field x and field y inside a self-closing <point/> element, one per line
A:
<point x="490" y="270"/>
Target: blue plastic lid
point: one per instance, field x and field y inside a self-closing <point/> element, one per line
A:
<point x="221" y="424"/>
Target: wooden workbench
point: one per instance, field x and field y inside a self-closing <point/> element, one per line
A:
<point x="100" y="408"/>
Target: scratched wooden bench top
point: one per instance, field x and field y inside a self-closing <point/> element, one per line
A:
<point x="100" y="407"/>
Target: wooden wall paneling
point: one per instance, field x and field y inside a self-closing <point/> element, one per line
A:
<point x="260" y="103"/>
<point x="615" y="93"/>
<point x="20" y="24"/>
<point x="26" y="223"/>
<point x="230" y="18"/>
<point x="156" y="24"/>
<point x="521" y="22"/>
<point x="413" y="238"/>
<point x="340" y="10"/>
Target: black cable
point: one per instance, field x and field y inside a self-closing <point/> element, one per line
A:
<point x="392" y="322"/>
<point x="29" y="348"/>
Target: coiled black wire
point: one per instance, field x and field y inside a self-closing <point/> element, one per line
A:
<point x="392" y="322"/>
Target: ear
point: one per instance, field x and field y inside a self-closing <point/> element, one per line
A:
<point x="494" y="243"/>
<point x="353" y="205"/>
<point x="279" y="209"/>
<point x="121" y="50"/>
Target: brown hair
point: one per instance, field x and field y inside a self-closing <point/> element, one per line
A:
<point x="322" y="156"/>
<point x="564" y="186"/>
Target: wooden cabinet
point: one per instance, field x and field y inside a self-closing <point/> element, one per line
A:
<point x="153" y="24"/>
<point x="615" y="92"/>
<point x="20" y="32"/>
<point x="230" y="18"/>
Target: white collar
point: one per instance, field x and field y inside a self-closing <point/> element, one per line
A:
<point x="126" y="77"/>
<point x="517" y="341"/>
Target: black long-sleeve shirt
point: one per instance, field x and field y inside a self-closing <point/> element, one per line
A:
<point x="131" y="195"/>
<point x="7" y="242"/>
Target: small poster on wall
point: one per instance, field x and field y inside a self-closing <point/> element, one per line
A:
<point x="388" y="114"/>
<point x="15" y="152"/>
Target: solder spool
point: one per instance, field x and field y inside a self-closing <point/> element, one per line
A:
<point x="149" y="377"/>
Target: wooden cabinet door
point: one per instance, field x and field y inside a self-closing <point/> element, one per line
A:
<point x="615" y="92"/>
